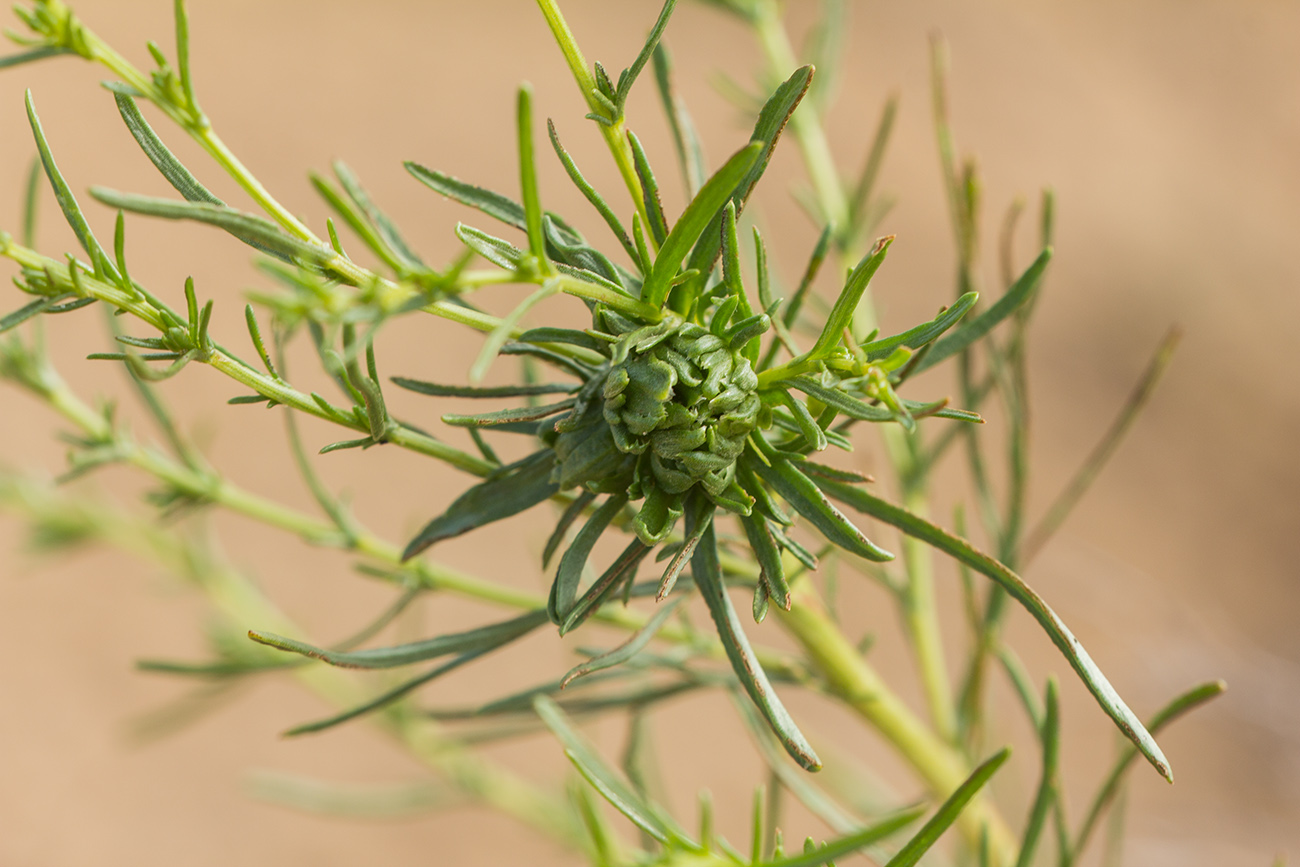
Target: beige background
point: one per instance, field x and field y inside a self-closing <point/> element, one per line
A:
<point x="1170" y="131"/>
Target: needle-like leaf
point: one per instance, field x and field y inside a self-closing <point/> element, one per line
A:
<point x="708" y="578"/>
<point x="1061" y="636"/>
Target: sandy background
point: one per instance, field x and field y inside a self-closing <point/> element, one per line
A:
<point x="1170" y="131"/>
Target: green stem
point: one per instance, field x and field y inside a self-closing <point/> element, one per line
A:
<point x="806" y="123"/>
<point x="232" y="594"/>
<point x="852" y="679"/>
<point x="614" y="134"/>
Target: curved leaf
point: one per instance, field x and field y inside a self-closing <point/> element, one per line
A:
<point x="509" y="491"/>
<point x="686" y="231"/>
<point x="947" y="813"/>
<point x="478" y="640"/>
<point x="964" y="552"/>
<point x="708" y="578"/>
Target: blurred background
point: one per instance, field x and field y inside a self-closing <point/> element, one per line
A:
<point x="1171" y="134"/>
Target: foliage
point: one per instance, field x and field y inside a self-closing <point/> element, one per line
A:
<point x="687" y="420"/>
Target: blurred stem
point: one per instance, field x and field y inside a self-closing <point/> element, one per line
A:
<point x="852" y="679"/>
<point x="211" y="488"/>
<point x="805" y="123"/>
<point x="919" y="612"/>
<point x="239" y="600"/>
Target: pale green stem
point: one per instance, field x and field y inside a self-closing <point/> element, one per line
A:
<point x="919" y="610"/>
<point x="212" y="488"/>
<point x="851" y="678"/>
<point x="279" y="390"/>
<point x="232" y="594"/>
<point x="805" y="123"/>
<point x="614" y="134"/>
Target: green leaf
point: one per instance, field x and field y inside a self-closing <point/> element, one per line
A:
<point x="568" y="575"/>
<point x="698" y="522"/>
<point x="495" y="205"/>
<point x="708" y="578"/>
<point x="385" y="698"/>
<point x="603" y="778"/>
<point x="698" y="214"/>
<point x="767" y="132"/>
<point x="853" y="842"/>
<point x="1016" y="296"/>
<point x="685" y="139"/>
<point x="1183" y="704"/>
<point x="255" y="231"/>
<point x="484" y="638"/>
<point x="628" y="649"/>
<point x="806" y="498"/>
<point x="813" y="434"/>
<point x="496" y="250"/>
<point x="768" y="555"/>
<point x="947" y="813"/>
<point x="623" y="569"/>
<point x="1050" y="735"/>
<point x="433" y="389"/>
<point x="964" y="552"/>
<point x="32" y="56"/>
<point x="388" y="234"/>
<point x="509" y="416"/>
<point x="510" y="490"/>
<point x="571" y="336"/>
<point x="841" y="315"/>
<point x="67" y="201"/>
<point x="528" y="176"/>
<point x="628" y="77"/>
<point x="163" y="159"/>
<point x="915" y="338"/>
<point x="649" y="190"/>
<point x="576" y="508"/>
<point x="589" y="192"/>
<point x="22" y="314"/>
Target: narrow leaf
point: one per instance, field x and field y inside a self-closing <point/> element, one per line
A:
<point x="163" y="159"/>
<point x="564" y="590"/>
<point x="484" y="638"/>
<point x="621" y="571"/>
<point x="1019" y="294"/>
<point x="528" y="176"/>
<point x="947" y="813"/>
<point x="808" y="500"/>
<point x="698" y="214"/>
<point x="964" y="552"/>
<point x="841" y="315"/>
<point x="495" y="205"/>
<point x="767" y="132"/>
<point x="628" y="649"/>
<point x="851" y="843"/>
<point x="385" y="698"/>
<point x="67" y="201"/>
<point x="708" y="578"/>
<point x="915" y="338"/>
<point x="589" y="192"/>
<point x="603" y="778"/>
<point x="768" y="555"/>
<point x="255" y="231"/>
<point x="499" y="252"/>
<point x="628" y="78"/>
<point x="509" y="416"/>
<point x="434" y="389"/>
<point x="510" y="490"/>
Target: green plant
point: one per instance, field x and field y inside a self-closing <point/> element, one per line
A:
<point x="686" y="420"/>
